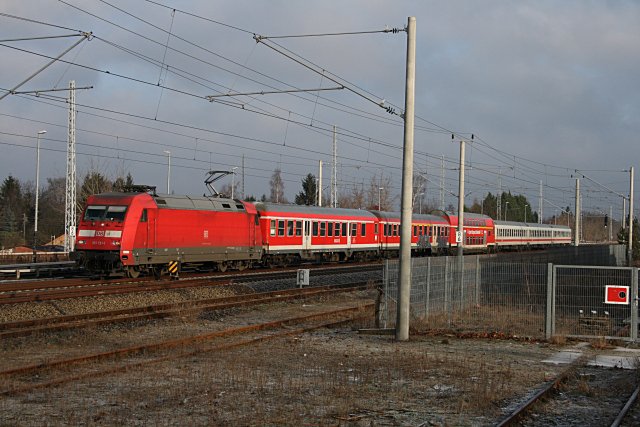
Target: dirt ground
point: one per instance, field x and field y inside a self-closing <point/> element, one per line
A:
<point x="326" y="377"/>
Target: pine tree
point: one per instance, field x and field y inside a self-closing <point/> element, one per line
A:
<point x="308" y="194"/>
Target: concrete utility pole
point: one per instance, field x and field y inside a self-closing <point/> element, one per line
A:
<point x="168" y="153"/>
<point x="334" y="174"/>
<point x="540" y="207"/>
<point x="610" y="223"/>
<point x="319" y="185"/>
<point x="35" y="220"/>
<point x="70" y="193"/>
<point x="404" y="290"/>
<point x="442" y="183"/>
<point x="499" y="196"/>
<point x="630" y="256"/>
<point x="460" y="236"/>
<point x="576" y="241"/>
<point x="624" y="213"/>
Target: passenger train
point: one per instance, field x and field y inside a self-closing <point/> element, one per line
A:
<point x="142" y="232"/>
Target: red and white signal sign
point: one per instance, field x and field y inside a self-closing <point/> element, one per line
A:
<point x="614" y="294"/>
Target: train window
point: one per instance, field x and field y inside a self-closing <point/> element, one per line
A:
<point x="344" y="229"/>
<point x="240" y="206"/>
<point x="354" y="229"/>
<point x="375" y="228"/>
<point x="330" y="230"/>
<point x="395" y="229"/>
<point x="337" y="230"/>
<point x="315" y="228"/>
<point x="298" y="228"/>
<point x="116" y="213"/>
<point x="273" y="227"/>
<point x="226" y="205"/>
<point x="290" y="225"/>
<point x="323" y="229"/>
<point x="415" y="230"/>
<point x="143" y="217"/>
<point x="256" y="219"/>
<point x="281" y="227"/>
<point x="94" y="213"/>
<point x="363" y="229"/>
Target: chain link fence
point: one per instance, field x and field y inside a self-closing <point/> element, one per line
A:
<point x="514" y="295"/>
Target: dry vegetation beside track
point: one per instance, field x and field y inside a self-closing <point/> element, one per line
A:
<point x="325" y="377"/>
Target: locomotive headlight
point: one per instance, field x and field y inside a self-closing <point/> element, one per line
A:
<point x="82" y="242"/>
<point x="116" y="243"/>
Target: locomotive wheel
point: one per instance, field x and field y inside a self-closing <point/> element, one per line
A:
<point x="241" y="265"/>
<point x="133" y="272"/>
<point x="222" y="267"/>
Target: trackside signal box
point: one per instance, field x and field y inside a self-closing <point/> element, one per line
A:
<point x="303" y="277"/>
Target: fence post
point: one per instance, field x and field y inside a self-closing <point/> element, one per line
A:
<point x="385" y="279"/>
<point x="478" y="278"/>
<point x="428" y="289"/>
<point x="548" y="327"/>
<point x="461" y="267"/>
<point x="446" y="289"/>
<point x="634" y="305"/>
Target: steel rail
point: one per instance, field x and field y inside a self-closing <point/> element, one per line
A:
<point x="623" y="412"/>
<point x="182" y="342"/>
<point x="160" y="311"/>
<point x="45" y="291"/>
<point x="548" y="388"/>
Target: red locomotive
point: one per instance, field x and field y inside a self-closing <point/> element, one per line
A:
<point x="142" y="232"/>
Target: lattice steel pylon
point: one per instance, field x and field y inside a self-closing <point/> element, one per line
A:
<point x="70" y="194"/>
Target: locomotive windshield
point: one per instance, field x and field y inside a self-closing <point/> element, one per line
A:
<point x="110" y="213"/>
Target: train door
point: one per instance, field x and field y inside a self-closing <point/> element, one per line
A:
<point x="151" y="228"/>
<point x="349" y="226"/>
<point x="306" y="235"/>
<point x="253" y="223"/>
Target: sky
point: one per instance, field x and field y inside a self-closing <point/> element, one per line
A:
<point x="545" y="87"/>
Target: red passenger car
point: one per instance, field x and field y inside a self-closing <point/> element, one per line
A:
<point x="479" y="232"/>
<point x="428" y="233"/>
<point x="293" y="233"/>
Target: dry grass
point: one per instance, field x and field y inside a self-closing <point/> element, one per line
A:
<point x="324" y="378"/>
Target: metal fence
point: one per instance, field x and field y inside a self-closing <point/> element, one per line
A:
<point x="594" y="301"/>
<point x="480" y="294"/>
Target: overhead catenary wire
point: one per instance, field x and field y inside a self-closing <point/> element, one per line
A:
<point x="519" y="165"/>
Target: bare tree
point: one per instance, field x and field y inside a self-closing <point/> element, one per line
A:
<point x="353" y="199"/>
<point x="378" y="195"/>
<point x="277" y="187"/>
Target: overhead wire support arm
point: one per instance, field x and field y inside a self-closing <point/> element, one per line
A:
<point x="36" y="92"/>
<point x="601" y="185"/>
<point x="85" y="36"/>
<point x="380" y="103"/>
<point x="265" y="92"/>
<point x="349" y="33"/>
<point x="39" y="38"/>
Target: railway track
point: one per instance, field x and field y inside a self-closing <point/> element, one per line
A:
<point x="161" y="311"/>
<point x="23" y="292"/>
<point x="53" y="373"/>
<point x="579" y="395"/>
